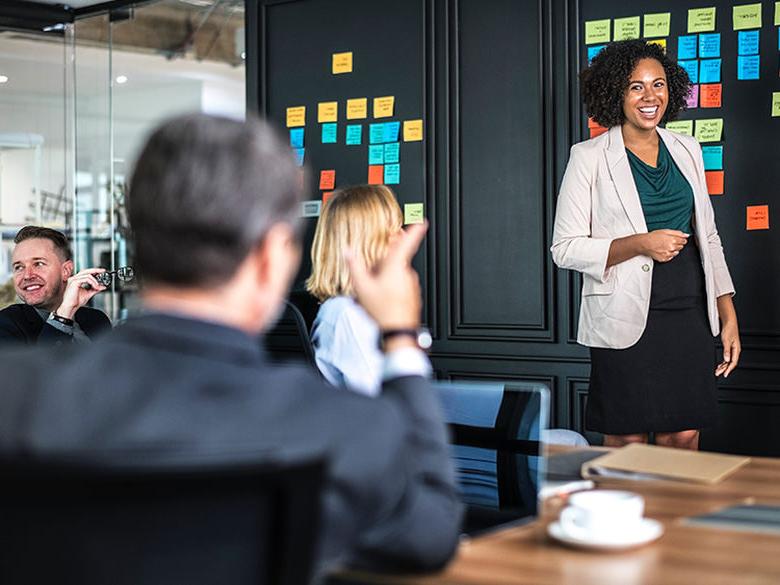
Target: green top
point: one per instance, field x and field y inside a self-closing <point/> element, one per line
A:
<point x="665" y="194"/>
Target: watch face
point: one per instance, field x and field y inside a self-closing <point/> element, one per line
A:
<point x="424" y="338"/>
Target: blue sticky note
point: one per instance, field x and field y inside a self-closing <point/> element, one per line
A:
<point x="299" y="154"/>
<point x="747" y="42"/>
<point x="376" y="134"/>
<point x="686" y="47"/>
<point x="593" y="51"/>
<point x="713" y="157"/>
<point x="748" y="67"/>
<point x="329" y="133"/>
<point x="392" y="150"/>
<point x="392" y="174"/>
<point x="354" y="134"/>
<point x="376" y="154"/>
<point x="709" y="45"/>
<point x="709" y="71"/>
<point x="692" y="68"/>
<point x="296" y="137"/>
<point x="392" y="130"/>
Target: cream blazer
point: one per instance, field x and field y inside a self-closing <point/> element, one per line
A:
<point x="597" y="203"/>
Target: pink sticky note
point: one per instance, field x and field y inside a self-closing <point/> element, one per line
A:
<point x="692" y="99"/>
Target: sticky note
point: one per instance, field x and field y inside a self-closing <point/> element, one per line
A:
<point x="392" y="129"/>
<point x="747" y="16"/>
<point x="342" y="63"/>
<point x="376" y="154"/>
<point x="776" y="104"/>
<point x="777" y="13"/>
<point x="392" y="152"/>
<point x="296" y="116"/>
<point x="711" y="95"/>
<point x="329" y="133"/>
<point x="748" y="67"/>
<point x="311" y="208"/>
<point x="747" y="42"/>
<point x="357" y="108"/>
<point x="593" y="51"/>
<point x="299" y="155"/>
<point x="657" y="25"/>
<point x="714" y="182"/>
<point x="691" y="68"/>
<point x="597" y="31"/>
<point x="376" y="174"/>
<point x="692" y="99"/>
<point x="597" y="131"/>
<point x="376" y="133"/>
<point x="701" y="19"/>
<point x="709" y="45"/>
<point x="326" y="196"/>
<point x="327" y="180"/>
<point x="713" y="157"/>
<point x="383" y="106"/>
<point x="681" y="127"/>
<point x="592" y="123"/>
<point x="296" y="137"/>
<point x="354" y="134"/>
<point x="660" y="42"/>
<point x="392" y="174"/>
<point x="627" y="28"/>
<point x="413" y="213"/>
<point x="327" y="112"/>
<point x="686" y="47"/>
<point x="757" y="217"/>
<point x="709" y="130"/>
<point x="413" y="130"/>
<point x="709" y="71"/>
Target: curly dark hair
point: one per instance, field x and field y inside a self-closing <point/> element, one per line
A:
<point x="605" y="80"/>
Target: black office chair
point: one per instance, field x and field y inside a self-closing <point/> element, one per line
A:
<point x="289" y="338"/>
<point x="242" y="524"/>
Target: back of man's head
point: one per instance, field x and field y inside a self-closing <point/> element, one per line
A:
<point x="204" y="192"/>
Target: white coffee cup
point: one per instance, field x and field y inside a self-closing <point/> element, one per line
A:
<point x="602" y="514"/>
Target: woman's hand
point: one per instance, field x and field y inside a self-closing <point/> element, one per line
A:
<point x="729" y="336"/>
<point x="663" y="245"/>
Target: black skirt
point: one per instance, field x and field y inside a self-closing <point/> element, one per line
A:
<point x="666" y="381"/>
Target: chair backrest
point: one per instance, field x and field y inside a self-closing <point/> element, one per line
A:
<point x="289" y="339"/>
<point x="240" y="524"/>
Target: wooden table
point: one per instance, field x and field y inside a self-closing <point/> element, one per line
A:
<point x="684" y="555"/>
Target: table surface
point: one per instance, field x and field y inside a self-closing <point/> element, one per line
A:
<point x="684" y="555"/>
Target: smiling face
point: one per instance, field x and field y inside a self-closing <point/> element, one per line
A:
<point x="40" y="273"/>
<point x="646" y="97"/>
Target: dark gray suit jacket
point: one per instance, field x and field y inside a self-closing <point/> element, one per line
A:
<point x="21" y="323"/>
<point x="168" y="384"/>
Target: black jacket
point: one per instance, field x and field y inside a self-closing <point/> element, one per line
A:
<point x="22" y="324"/>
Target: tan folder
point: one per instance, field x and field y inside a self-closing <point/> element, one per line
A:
<point x="640" y="461"/>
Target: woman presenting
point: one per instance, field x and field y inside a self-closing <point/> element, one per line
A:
<point x="634" y="217"/>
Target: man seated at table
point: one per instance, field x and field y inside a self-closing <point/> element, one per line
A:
<point x="53" y="298"/>
<point x="214" y="207"/>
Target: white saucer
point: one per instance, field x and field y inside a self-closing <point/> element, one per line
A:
<point x="648" y="531"/>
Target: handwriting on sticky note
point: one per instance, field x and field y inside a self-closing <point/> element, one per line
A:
<point x="376" y="134"/>
<point x="327" y="180"/>
<point x="692" y="99"/>
<point x="709" y="45"/>
<point x="413" y="130"/>
<point x="691" y="68"/>
<point x="296" y="137"/>
<point x="776" y="104"/>
<point x="354" y="134"/>
<point x="627" y="28"/>
<point x="413" y="213"/>
<point x="747" y="16"/>
<point x="327" y="112"/>
<point x="357" y="108"/>
<point x="296" y="116"/>
<point x="392" y="174"/>
<point x="376" y="154"/>
<point x="681" y="127"/>
<point x="747" y="42"/>
<point x="383" y="106"/>
<point x="329" y="133"/>
<point x="701" y="19"/>
<point x="657" y="25"/>
<point x="376" y="174"/>
<point x="597" y="31"/>
<point x="714" y="182"/>
<point x="686" y="47"/>
<point x="391" y="131"/>
<point x="713" y="157"/>
<point x="709" y="71"/>
<point x="392" y="152"/>
<point x="709" y="130"/>
<point x="342" y="63"/>
<point x="710" y="95"/>
<point x="748" y="67"/>
<point x="757" y="217"/>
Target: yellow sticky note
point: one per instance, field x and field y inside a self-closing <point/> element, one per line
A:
<point x="413" y="213"/>
<point x="777" y="13"/>
<point x="681" y="127"/>
<point x="413" y="130"/>
<point x="597" y="31"/>
<point x="357" y="108"/>
<point x="747" y="16"/>
<point x="383" y="106"/>
<point x="776" y="104"/>
<point x="659" y="42"/>
<point x="709" y="130"/>
<point x="342" y="63"/>
<point x="626" y="28"/>
<point x="701" y="19"/>
<point x="657" y="25"/>
<point x="296" y="116"/>
<point x="327" y="112"/>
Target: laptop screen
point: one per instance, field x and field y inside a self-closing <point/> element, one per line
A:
<point x="495" y="443"/>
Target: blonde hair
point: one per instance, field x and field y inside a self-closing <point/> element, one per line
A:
<point x="363" y="217"/>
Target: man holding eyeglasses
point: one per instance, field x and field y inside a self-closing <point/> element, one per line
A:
<point x="53" y="298"/>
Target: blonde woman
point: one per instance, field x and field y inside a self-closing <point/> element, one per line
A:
<point x="364" y="218"/>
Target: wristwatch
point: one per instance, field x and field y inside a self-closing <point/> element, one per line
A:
<point x="59" y="319"/>
<point x="422" y="337"/>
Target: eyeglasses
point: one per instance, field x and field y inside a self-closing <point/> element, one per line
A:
<point x="124" y="274"/>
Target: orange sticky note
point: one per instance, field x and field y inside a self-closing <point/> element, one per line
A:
<point x="757" y="217"/>
<point x="327" y="180"/>
<point x="597" y="131"/>
<point x="383" y="106"/>
<point x="326" y="196"/>
<point x="376" y="174"/>
<point x="593" y="124"/>
<point x="714" y="182"/>
<point x="710" y="95"/>
<point x="413" y="130"/>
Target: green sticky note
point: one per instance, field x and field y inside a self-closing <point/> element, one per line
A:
<point x="777" y="13"/>
<point x="597" y="31"/>
<point x="657" y="25"/>
<point x="626" y="28"/>
<point x="701" y="19"/>
<point x="681" y="127"/>
<point x="709" y="130"/>
<point x="776" y="104"/>
<point x="747" y="16"/>
<point x="413" y="213"/>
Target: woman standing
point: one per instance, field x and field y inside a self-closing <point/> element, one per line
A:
<point x="635" y="218"/>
